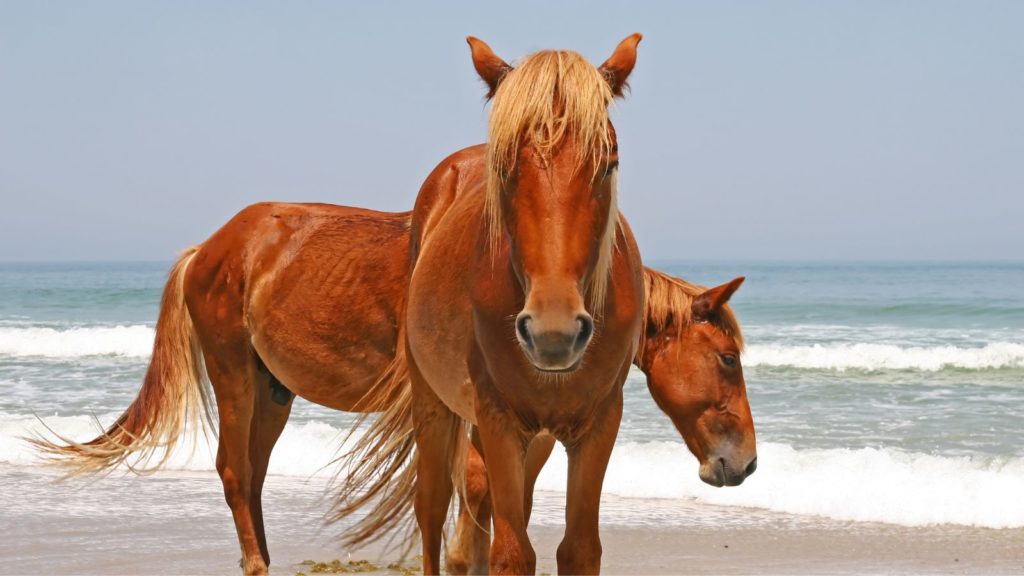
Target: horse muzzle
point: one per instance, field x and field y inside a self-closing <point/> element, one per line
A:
<point x="554" y="348"/>
<point x="720" y="471"/>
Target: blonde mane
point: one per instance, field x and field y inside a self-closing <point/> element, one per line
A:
<point x="671" y="297"/>
<point x="551" y="95"/>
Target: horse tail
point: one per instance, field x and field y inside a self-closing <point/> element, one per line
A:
<point x="174" y="397"/>
<point x="380" y="467"/>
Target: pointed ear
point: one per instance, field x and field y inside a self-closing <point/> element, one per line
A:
<point x="491" y="68"/>
<point x="711" y="300"/>
<point x="618" y="66"/>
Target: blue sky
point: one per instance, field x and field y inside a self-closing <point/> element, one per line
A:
<point x="754" y="130"/>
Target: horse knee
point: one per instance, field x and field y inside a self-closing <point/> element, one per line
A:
<point x="510" y="556"/>
<point x="579" y="555"/>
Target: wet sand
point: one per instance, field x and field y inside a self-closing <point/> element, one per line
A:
<point x="177" y="523"/>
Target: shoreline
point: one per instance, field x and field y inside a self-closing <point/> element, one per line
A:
<point x="177" y="523"/>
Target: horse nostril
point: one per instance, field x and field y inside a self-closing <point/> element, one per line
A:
<point x="751" y="467"/>
<point x="586" y="330"/>
<point x="523" y="328"/>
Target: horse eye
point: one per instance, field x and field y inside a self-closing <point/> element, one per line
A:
<point x="728" y="360"/>
<point x="610" y="168"/>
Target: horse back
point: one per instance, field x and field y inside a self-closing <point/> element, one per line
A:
<point x="314" y="289"/>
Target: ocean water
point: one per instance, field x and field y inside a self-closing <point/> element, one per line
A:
<point x="881" y="392"/>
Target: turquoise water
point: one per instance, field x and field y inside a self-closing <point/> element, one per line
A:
<point x="876" y="369"/>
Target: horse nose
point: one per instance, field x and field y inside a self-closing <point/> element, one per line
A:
<point x="585" y="332"/>
<point x="730" y="476"/>
<point x="558" y="346"/>
<point x="523" y="329"/>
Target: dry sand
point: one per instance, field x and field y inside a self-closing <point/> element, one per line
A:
<point x="177" y="523"/>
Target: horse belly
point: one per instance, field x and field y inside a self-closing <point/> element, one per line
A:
<point x="338" y="380"/>
<point x="326" y="340"/>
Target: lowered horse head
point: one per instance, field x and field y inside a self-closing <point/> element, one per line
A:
<point x="691" y="356"/>
<point x="552" y="164"/>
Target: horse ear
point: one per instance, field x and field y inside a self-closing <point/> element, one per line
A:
<point x="618" y="66"/>
<point x="709" y="302"/>
<point x="491" y="68"/>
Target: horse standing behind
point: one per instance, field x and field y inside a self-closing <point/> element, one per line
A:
<point x="284" y="299"/>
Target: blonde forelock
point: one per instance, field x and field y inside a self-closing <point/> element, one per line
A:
<point x="549" y="96"/>
<point x="669" y="297"/>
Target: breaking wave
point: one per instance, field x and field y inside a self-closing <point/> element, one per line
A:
<point x="865" y="485"/>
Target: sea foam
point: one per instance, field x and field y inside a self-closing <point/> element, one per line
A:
<point x="867" y="484"/>
<point x="863" y="485"/>
<point x="862" y="356"/>
<point x="135" y="341"/>
<point x="304" y="449"/>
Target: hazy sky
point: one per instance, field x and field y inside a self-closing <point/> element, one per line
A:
<point x="755" y="130"/>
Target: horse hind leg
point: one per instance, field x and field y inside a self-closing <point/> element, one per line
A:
<point x="436" y="438"/>
<point x="235" y="378"/>
<point x="468" y="551"/>
<point x="272" y="407"/>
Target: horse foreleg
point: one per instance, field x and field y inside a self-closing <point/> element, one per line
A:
<point x="536" y="456"/>
<point x="505" y="451"/>
<point x="580" y="549"/>
<point x="436" y="428"/>
<point x="268" y="421"/>
<point x="233" y="377"/>
<point x="468" y="551"/>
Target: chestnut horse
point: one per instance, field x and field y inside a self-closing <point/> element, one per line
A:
<point x="525" y="304"/>
<point x="284" y="299"/>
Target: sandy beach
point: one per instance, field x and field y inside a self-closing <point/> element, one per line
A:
<point x="298" y="197"/>
<point x="130" y="525"/>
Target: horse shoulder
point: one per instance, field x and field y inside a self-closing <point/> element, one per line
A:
<point x="448" y="181"/>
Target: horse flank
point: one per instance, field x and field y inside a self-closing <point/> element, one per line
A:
<point x="549" y="96"/>
<point x="668" y="297"/>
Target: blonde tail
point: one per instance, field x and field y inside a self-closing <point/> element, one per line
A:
<point x="174" y="397"/>
<point x="380" y="469"/>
